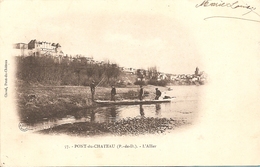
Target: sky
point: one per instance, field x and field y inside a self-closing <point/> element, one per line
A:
<point x="137" y="34"/>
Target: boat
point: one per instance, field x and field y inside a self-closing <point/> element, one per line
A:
<point x="132" y="102"/>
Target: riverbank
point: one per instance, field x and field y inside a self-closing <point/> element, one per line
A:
<point x="130" y="126"/>
<point x="39" y="103"/>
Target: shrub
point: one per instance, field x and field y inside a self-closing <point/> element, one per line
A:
<point x="158" y="83"/>
<point x="140" y="83"/>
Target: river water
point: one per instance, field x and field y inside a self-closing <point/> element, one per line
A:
<point x="183" y="107"/>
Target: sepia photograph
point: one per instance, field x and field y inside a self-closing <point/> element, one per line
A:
<point x="130" y="83"/>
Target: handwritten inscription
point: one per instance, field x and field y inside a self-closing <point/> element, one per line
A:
<point x="234" y="5"/>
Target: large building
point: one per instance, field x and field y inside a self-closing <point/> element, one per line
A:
<point x="45" y="48"/>
<point x="38" y="48"/>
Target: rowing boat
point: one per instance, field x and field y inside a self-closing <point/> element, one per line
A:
<point x="132" y="102"/>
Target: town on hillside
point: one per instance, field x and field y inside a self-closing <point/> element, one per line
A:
<point x="49" y="63"/>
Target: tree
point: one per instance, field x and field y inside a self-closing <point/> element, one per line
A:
<point x="112" y="71"/>
<point x="152" y="72"/>
<point x="139" y="74"/>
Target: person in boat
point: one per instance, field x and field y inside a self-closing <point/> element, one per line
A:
<point x="141" y="93"/>
<point x="92" y="89"/>
<point x="113" y="93"/>
<point x="158" y="93"/>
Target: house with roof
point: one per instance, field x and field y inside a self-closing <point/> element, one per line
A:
<point x="161" y="76"/>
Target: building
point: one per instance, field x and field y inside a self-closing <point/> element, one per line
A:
<point x="161" y="76"/>
<point x="20" y="49"/>
<point x="45" y="48"/>
<point x="129" y="70"/>
<point x="20" y="46"/>
<point x="173" y="77"/>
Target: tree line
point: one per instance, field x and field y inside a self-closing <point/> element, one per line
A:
<point x="47" y="71"/>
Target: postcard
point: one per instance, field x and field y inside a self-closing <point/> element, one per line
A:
<point x="130" y="83"/>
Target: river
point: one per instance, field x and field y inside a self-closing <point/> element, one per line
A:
<point x="183" y="107"/>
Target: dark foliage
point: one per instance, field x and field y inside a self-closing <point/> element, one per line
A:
<point x="140" y="83"/>
<point x="157" y="83"/>
<point x="48" y="70"/>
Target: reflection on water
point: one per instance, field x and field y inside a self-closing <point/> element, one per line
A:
<point x="92" y="116"/>
<point x="141" y="110"/>
<point x="183" y="107"/>
<point x="113" y="114"/>
<point x="158" y="109"/>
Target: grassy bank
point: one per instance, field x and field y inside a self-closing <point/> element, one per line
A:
<point x="42" y="102"/>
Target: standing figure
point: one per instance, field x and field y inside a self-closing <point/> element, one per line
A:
<point x="113" y="93"/>
<point x="92" y="88"/>
<point x="197" y="71"/>
<point x="158" y="93"/>
<point x="141" y="92"/>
